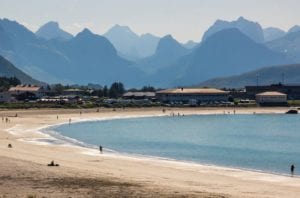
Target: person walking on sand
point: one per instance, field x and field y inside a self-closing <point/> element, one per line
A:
<point x="292" y="169"/>
<point x="100" y="149"/>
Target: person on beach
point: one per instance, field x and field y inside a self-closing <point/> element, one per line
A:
<point x="292" y="169"/>
<point x="100" y="149"/>
<point x="69" y="121"/>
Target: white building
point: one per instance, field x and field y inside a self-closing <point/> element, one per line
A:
<point x="21" y="89"/>
<point x="271" y="98"/>
<point x="192" y="95"/>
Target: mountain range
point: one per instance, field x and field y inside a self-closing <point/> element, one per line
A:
<point x="225" y="53"/>
<point x="228" y="48"/>
<point x="85" y="58"/>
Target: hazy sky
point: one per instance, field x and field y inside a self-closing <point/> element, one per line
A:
<point x="184" y="19"/>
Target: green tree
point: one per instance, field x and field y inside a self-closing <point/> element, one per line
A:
<point x="116" y="90"/>
<point x="105" y="91"/>
<point x="148" y="89"/>
<point x="58" y="88"/>
<point x="6" y="83"/>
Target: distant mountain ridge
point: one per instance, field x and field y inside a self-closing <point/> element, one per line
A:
<point x="225" y="53"/>
<point x="129" y="44"/>
<point x="91" y="58"/>
<point x="51" y="30"/>
<point x="252" y="29"/>
<point x="190" y="44"/>
<point x="167" y="52"/>
<point x="86" y="58"/>
<point x="295" y="28"/>
<point x="272" y="33"/>
<point x="289" y="45"/>
<point x="265" y="76"/>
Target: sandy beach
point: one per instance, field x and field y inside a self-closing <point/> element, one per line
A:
<point x="85" y="172"/>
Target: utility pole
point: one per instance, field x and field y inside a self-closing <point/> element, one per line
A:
<point x="257" y="75"/>
<point x="282" y="78"/>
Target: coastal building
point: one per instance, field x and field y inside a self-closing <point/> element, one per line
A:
<point x="192" y="96"/>
<point x="291" y="90"/>
<point x="76" y="92"/>
<point x="36" y="91"/>
<point x="271" y="98"/>
<point x="139" y="95"/>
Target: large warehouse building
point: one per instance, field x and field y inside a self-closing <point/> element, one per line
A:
<point x="192" y="95"/>
<point x="271" y="98"/>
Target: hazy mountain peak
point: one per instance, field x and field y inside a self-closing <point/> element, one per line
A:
<point x="241" y="18"/>
<point x="51" y="30"/>
<point x="129" y="44"/>
<point x="146" y="35"/>
<point x="118" y="27"/>
<point x="86" y="31"/>
<point x="167" y="37"/>
<point x="168" y="51"/>
<point x="52" y="24"/>
<point x="190" y="44"/>
<point x="228" y="35"/>
<point x="169" y="46"/>
<point x="295" y="28"/>
<point x="252" y="29"/>
<point x="272" y="33"/>
<point x="167" y="43"/>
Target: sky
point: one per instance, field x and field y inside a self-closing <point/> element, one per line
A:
<point x="183" y="19"/>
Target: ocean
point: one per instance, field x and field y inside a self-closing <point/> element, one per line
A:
<point x="268" y="143"/>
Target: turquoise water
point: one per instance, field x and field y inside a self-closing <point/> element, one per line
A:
<point x="269" y="143"/>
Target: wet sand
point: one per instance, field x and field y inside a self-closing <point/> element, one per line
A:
<point x="87" y="173"/>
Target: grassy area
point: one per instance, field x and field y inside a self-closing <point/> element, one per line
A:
<point x="294" y="102"/>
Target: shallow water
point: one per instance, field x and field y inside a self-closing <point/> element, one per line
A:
<point x="269" y="143"/>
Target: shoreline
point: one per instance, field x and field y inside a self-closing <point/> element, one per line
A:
<point x="109" y="151"/>
<point x="134" y="168"/>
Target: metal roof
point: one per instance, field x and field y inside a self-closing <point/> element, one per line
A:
<point x="271" y="93"/>
<point x="192" y="91"/>
<point x="139" y="94"/>
<point x="25" y="88"/>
